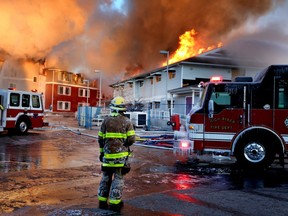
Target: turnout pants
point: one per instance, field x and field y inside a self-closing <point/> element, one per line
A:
<point x="111" y="186"/>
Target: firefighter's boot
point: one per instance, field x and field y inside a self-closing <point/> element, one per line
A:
<point x="103" y="205"/>
<point x="116" y="207"/>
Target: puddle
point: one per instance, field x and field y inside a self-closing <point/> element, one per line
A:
<point x="231" y="176"/>
<point x="42" y="155"/>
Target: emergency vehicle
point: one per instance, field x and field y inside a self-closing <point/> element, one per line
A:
<point x="245" y="118"/>
<point x="20" y="110"/>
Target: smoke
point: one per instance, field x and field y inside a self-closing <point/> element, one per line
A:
<point x="119" y="39"/>
<point x="264" y="40"/>
<point x="32" y="28"/>
<point x="116" y="37"/>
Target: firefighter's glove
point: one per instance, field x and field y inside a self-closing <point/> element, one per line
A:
<point x="101" y="156"/>
<point x="126" y="144"/>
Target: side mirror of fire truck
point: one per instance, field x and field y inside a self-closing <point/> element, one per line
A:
<point x="210" y="108"/>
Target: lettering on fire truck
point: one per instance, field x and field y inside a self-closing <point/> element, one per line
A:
<point x="20" y="111"/>
<point x="246" y="118"/>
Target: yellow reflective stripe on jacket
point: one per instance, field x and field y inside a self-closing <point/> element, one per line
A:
<point x="115" y="135"/>
<point x="100" y="134"/>
<point x="112" y="165"/>
<point x="101" y="150"/>
<point x="130" y="133"/>
<point x="116" y="155"/>
<point x="114" y="114"/>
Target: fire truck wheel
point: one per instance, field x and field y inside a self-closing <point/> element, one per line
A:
<point x="22" y="126"/>
<point x="255" y="151"/>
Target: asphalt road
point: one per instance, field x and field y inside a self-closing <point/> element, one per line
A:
<point x="56" y="172"/>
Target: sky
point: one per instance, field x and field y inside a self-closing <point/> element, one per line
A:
<point x="122" y="38"/>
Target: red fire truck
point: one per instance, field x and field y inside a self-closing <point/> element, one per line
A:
<point x="20" y="110"/>
<point x="245" y="118"/>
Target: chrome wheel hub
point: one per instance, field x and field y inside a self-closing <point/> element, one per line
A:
<point x="22" y="126"/>
<point x="254" y="152"/>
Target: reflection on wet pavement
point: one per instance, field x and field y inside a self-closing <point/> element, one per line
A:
<point x="19" y="157"/>
<point x="234" y="177"/>
<point x="156" y="185"/>
<point x="31" y="152"/>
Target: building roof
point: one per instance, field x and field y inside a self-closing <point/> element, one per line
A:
<point x="214" y="58"/>
<point x="184" y="90"/>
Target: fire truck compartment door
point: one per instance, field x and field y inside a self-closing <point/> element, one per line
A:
<point x="1" y="110"/>
<point x="226" y="116"/>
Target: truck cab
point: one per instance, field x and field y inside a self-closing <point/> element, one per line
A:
<point x="246" y="118"/>
<point x="20" y="110"/>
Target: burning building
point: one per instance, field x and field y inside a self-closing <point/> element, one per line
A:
<point x="120" y="38"/>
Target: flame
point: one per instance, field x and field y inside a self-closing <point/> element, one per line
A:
<point x="189" y="46"/>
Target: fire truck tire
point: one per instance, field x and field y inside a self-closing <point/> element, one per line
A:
<point x="255" y="150"/>
<point x="22" y="126"/>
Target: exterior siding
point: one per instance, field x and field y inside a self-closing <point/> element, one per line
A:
<point x="193" y="72"/>
<point x="187" y="73"/>
<point x="74" y="99"/>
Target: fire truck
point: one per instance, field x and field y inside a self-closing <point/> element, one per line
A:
<point x="20" y="111"/>
<point x="246" y="119"/>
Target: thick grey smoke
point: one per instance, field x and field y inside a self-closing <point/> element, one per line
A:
<point x="264" y="41"/>
<point x="128" y="41"/>
<point x="88" y="35"/>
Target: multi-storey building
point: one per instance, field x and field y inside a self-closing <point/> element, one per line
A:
<point x="65" y="91"/>
<point x="175" y="92"/>
<point x="22" y="75"/>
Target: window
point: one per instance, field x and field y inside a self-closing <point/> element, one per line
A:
<point x="63" y="105"/>
<point x="221" y="98"/>
<point x="82" y="92"/>
<point x="25" y="100"/>
<point x="81" y="104"/>
<point x="227" y="96"/>
<point x="141" y="83"/>
<point x="64" y="90"/>
<point x="169" y="104"/>
<point x="150" y="106"/>
<point x="268" y="94"/>
<point x="282" y="94"/>
<point x="151" y="80"/>
<point x="12" y="85"/>
<point x="172" y="74"/>
<point x="158" y="78"/>
<point x="35" y="101"/>
<point x="65" y="76"/>
<point x="76" y="78"/>
<point x="14" y="99"/>
<point x="34" y="79"/>
<point x="188" y="101"/>
<point x="157" y="105"/>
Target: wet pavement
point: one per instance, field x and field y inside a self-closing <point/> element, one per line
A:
<point x="56" y="172"/>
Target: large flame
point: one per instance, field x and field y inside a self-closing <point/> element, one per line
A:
<point x="189" y="46"/>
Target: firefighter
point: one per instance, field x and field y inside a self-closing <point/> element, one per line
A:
<point x="115" y="137"/>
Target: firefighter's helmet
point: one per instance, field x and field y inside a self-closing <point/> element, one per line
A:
<point x="118" y="104"/>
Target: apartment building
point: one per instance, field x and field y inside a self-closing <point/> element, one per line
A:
<point x="174" y="89"/>
<point x="65" y="91"/>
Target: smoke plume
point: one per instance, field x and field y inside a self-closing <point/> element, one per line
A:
<point x="116" y="37"/>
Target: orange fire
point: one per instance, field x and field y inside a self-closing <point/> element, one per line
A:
<point x="189" y="46"/>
